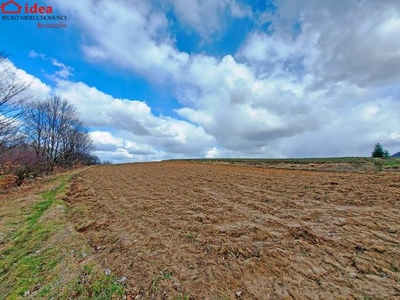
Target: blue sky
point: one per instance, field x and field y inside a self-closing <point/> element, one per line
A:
<point x="232" y="78"/>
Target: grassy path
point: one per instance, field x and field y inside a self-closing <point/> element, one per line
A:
<point x="41" y="254"/>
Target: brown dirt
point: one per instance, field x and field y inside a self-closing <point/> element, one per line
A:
<point x="180" y="230"/>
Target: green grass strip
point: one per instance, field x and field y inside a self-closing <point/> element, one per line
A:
<point x="23" y="264"/>
<point x="29" y="267"/>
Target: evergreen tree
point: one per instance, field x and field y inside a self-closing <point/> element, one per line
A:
<point x="379" y="151"/>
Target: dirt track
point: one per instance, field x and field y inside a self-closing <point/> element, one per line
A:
<point x="195" y="231"/>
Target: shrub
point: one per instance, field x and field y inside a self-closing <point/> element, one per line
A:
<point x="18" y="164"/>
<point x="8" y="181"/>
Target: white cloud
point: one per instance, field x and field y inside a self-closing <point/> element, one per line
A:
<point x="64" y="72"/>
<point x="137" y="129"/>
<point x="212" y="153"/>
<point x="36" y="87"/>
<point x="104" y="140"/>
<point x="226" y="91"/>
<point x="323" y="81"/>
<point x="269" y="49"/>
<point x="107" y="142"/>
<point x="128" y="33"/>
<point x="34" y="54"/>
<point x="206" y="17"/>
<point x="354" y="41"/>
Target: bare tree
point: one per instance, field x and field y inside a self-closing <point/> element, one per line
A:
<point x="76" y="145"/>
<point x="54" y="129"/>
<point x="12" y="97"/>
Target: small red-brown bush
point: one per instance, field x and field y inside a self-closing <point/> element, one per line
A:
<point x="7" y="181"/>
<point x="18" y="164"/>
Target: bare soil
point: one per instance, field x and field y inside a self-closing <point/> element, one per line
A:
<point x="179" y="230"/>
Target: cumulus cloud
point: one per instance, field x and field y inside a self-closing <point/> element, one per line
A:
<point x="36" y="87"/>
<point x="107" y="142"/>
<point x="323" y="80"/>
<point x="124" y="130"/>
<point x="137" y="129"/>
<point x="206" y="16"/>
<point x="129" y="34"/>
<point x="217" y="94"/>
<point x="354" y="41"/>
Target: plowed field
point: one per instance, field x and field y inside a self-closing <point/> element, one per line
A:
<point x="178" y="230"/>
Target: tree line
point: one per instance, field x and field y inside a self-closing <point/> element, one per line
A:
<point x="37" y="135"/>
